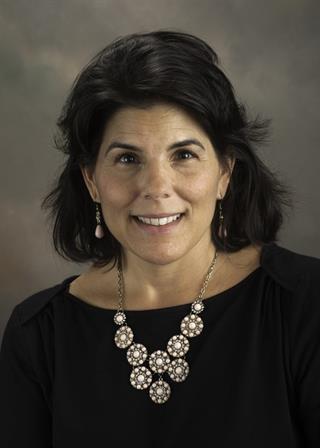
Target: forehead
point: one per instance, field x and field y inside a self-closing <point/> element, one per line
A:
<point x="159" y="118"/>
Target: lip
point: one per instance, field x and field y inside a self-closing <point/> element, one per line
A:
<point x="158" y="230"/>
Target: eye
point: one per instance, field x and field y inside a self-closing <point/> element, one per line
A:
<point x="123" y="156"/>
<point x="127" y="157"/>
<point x="186" y="151"/>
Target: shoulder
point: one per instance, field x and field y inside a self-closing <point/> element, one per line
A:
<point x="299" y="305"/>
<point x="34" y="303"/>
<point x="289" y="268"/>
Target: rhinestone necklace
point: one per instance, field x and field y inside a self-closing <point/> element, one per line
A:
<point x="160" y="361"/>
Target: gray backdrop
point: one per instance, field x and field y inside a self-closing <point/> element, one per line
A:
<point x="269" y="50"/>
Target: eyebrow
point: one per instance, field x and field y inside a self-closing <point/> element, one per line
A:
<point x="187" y="142"/>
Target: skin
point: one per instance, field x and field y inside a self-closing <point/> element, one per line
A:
<point x="155" y="179"/>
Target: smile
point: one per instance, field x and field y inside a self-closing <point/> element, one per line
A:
<point x="159" y="225"/>
<point x="159" y="221"/>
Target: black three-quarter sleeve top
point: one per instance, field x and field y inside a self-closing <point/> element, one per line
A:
<point x="254" y="377"/>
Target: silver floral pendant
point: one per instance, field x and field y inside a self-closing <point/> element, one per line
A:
<point x="159" y="361"/>
<point x="191" y="325"/>
<point x="178" y="345"/>
<point x="141" y="377"/>
<point x="178" y="370"/>
<point x="119" y="318"/>
<point x="137" y="354"/>
<point x="123" y="337"/>
<point x="160" y="391"/>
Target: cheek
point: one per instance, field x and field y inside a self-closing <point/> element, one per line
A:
<point x="113" y="193"/>
<point x="201" y="196"/>
<point x="202" y="189"/>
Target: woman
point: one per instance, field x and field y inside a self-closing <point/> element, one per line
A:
<point x="191" y="325"/>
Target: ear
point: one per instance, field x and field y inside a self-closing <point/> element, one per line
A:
<point x="225" y="176"/>
<point x="88" y="174"/>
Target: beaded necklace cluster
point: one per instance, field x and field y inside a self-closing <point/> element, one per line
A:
<point x="160" y="361"/>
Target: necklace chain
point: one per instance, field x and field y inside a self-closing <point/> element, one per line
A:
<point x="160" y="361"/>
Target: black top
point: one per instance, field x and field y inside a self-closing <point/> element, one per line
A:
<point x="254" y="376"/>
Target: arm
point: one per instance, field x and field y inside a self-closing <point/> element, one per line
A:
<point x="25" y="419"/>
<point x="305" y="349"/>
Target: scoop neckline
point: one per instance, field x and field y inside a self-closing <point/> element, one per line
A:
<point x="207" y="301"/>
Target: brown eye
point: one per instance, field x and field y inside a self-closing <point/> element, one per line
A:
<point x="128" y="158"/>
<point x="123" y="158"/>
<point x="185" y="151"/>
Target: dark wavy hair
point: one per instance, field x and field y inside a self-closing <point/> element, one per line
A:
<point x="140" y="70"/>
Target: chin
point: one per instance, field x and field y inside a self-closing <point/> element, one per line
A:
<point x="159" y="257"/>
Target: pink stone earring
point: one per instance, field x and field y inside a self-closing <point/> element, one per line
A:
<point x="99" y="233"/>
<point x="221" y="218"/>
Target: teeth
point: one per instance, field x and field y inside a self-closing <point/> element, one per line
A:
<point x="159" y="221"/>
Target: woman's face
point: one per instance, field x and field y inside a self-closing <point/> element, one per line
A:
<point x="144" y="168"/>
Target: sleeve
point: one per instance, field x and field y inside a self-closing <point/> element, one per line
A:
<point x="25" y="418"/>
<point x="305" y="349"/>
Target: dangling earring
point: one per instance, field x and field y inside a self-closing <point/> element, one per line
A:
<point x="99" y="233"/>
<point x="221" y="218"/>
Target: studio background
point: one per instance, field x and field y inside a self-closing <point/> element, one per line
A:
<point x="269" y="50"/>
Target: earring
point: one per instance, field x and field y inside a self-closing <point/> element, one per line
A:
<point x="99" y="233"/>
<point x="221" y="218"/>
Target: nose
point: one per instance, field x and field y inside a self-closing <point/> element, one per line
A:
<point x="155" y="181"/>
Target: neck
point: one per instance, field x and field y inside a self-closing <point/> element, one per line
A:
<point x="150" y="285"/>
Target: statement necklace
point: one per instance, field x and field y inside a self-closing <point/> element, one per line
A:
<point x="159" y="361"/>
